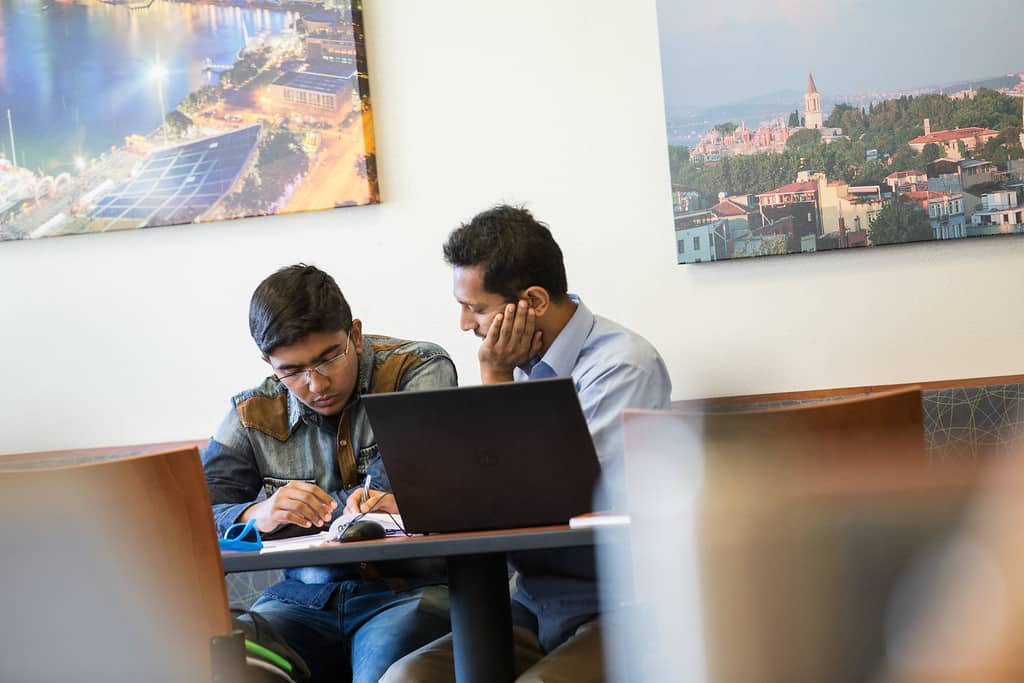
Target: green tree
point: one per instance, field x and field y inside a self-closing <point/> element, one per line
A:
<point x="794" y="120"/>
<point x="726" y="128"/>
<point x="931" y="152"/>
<point x="988" y="109"/>
<point x="835" y="119"/>
<point x="176" y="123"/>
<point x="872" y="173"/>
<point x="281" y="144"/>
<point x="247" y="200"/>
<point x="897" y="223"/>
<point x="677" y="156"/>
<point x="281" y="161"/>
<point x="1000" y="149"/>
<point x="938" y="109"/>
<point x="906" y="159"/>
<point x="202" y="98"/>
<point x="804" y="141"/>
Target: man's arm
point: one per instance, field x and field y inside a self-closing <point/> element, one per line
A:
<point x="232" y="479"/>
<point x="234" y="482"/>
<point x="603" y="401"/>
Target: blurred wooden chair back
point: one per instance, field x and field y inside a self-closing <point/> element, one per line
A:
<point x="111" y="568"/>
<point x="769" y="542"/>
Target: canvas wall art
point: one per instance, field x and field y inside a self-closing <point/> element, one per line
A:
<point x="801" y="126"/>
<point x="123" y="114"/>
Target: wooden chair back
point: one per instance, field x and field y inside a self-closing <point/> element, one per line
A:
<point x="111" y="568"/>
<point x="771" y="542"/>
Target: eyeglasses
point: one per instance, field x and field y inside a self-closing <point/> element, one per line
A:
<point x="304" y="376"/>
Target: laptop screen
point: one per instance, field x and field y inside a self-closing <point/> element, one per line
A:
<point x="486" y="457"/>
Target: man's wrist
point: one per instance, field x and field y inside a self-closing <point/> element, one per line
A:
<point x="495" y="376"/>
<point x="252" y="512"/>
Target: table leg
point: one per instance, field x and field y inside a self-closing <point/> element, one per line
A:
<point x="481" y="618"/>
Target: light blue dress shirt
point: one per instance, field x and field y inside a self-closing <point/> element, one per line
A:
<point x="613" y="368"/>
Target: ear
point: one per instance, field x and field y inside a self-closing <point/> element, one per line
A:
<point x="357" y="335"/>
<point x="537" y="298"/>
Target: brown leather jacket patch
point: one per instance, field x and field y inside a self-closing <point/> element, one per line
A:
<point x="388" y="374"/>
<point x="267" y="415"/>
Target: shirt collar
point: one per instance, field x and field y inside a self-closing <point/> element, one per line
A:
<point x="561" y="356"/>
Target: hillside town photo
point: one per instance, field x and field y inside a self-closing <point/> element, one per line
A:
<point x="795" y="145"/>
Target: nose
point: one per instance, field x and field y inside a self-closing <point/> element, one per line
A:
<point x="466" y="320"/>
<point x="317" y="382"/>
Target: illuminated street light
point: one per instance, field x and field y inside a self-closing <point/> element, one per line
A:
<point x="158" y="74"/>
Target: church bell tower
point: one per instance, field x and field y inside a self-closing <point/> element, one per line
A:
<point x="812" y="105"/>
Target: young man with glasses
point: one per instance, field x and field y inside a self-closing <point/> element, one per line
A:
<point x="302" y="439"/>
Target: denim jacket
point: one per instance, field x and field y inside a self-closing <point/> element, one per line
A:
<point x="270" y="438"/>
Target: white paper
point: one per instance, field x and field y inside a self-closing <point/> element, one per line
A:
<point x="297" y="543"/>
<point x="392" y="525"/>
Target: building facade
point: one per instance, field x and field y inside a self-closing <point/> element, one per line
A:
<point x="1000" y="214"/>
<point x="945" y="212"/>
<point x="949" y="141"/>
<point x="311" y="93"/>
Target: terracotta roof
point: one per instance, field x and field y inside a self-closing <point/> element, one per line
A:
<point x="727" y="207"/>
<point x="808" y="186"/>
<point x="929" y="194"/>
<point x="956" y="134"/>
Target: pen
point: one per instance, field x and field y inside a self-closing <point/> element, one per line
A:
<point x="366" y="487"/>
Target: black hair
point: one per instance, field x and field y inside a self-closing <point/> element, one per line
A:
<point x="294" y="302"/>
<point x="514" y="250"/>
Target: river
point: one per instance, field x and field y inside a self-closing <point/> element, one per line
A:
<point x="78" y="77"/>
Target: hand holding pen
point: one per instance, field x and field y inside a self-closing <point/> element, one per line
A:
<point x="365" y="499"/>
<point x="366" y="490"/>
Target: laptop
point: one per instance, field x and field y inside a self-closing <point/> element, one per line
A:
<point x="495" y="456"/>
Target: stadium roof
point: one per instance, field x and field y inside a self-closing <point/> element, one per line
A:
<point x="323" y="17"/>
<point x="322" y="83"/>
<point x="179" y="184"/>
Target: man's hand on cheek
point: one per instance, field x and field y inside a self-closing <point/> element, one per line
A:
<point x="512" y="339"/>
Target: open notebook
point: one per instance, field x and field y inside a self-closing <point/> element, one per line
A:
<point x="392" y="525"/>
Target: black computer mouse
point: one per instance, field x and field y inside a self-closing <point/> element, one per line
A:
<point x="362" y="530"/>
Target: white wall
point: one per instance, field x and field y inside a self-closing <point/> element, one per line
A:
<point x="142" y="336"/>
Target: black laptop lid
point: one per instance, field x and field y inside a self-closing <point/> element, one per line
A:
<point x="486" y="457"/>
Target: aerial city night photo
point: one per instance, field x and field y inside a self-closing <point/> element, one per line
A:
<point x="123" y="114"/>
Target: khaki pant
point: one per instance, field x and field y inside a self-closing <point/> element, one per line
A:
<point x="577" y="660"/>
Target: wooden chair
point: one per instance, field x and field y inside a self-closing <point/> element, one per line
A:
<point x="768" y="544"/>
<point x="111" y="568"/>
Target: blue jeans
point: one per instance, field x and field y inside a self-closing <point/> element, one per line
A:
<point x="362" y="629"/>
